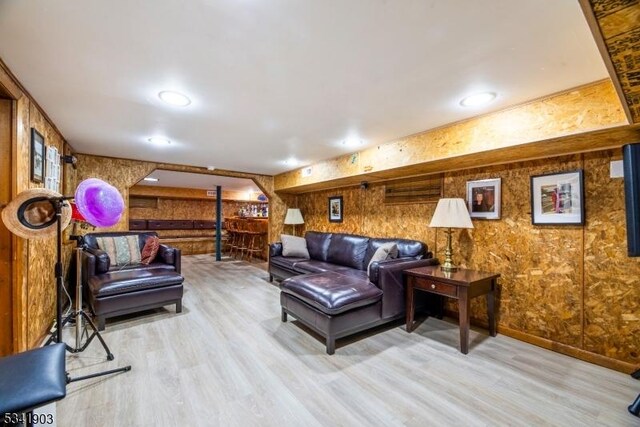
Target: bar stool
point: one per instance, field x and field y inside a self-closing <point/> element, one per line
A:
<point x="231" y="236"/>
<point x="243" y="237"/>
<point x="30" y="380"/>
<point x="257" y="237"/>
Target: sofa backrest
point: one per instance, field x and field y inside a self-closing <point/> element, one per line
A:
<point x="318" y="244"/>
<point x="348" y="250"/>
<point x="91" y="242"/>
<point x="406" y="248"/>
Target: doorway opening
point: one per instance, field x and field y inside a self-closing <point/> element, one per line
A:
<point x="181" y="207"/>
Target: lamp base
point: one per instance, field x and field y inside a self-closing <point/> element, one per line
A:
<point x="449" y="268"/>
<point x="448" y="265"/>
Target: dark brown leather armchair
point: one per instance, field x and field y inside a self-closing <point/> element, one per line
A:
<point x="114" y="291"/>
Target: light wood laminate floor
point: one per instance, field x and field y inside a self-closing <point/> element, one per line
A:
<point x="228" y="360"/>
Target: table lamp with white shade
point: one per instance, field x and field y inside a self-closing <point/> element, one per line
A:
<point x="450" y="213"/>
<point x="294" y="217"/>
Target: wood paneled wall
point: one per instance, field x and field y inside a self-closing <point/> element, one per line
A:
<point x="34" y="280"/>
<point x="571" y="288"/>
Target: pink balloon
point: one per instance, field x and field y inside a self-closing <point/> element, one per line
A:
<point x="100" y="203"/>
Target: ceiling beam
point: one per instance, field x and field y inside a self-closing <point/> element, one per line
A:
<point x="615" y="26"/>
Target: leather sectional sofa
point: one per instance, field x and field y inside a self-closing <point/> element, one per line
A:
<point x="122" y="290"/>
<point x="332" y="292"/>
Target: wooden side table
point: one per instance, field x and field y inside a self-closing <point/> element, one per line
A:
<point x="461" y="285"/>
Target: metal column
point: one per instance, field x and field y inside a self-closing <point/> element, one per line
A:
<point x="218" y="223"/>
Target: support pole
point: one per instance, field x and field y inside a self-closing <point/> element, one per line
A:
<point x="218" y="223"/>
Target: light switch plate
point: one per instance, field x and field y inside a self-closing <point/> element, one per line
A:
<point x="617" y="170"/>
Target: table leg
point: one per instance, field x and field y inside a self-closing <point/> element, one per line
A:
<point x="463" y="308"/>
<point x="410" y="305"/>
<point x="491" y="301"/>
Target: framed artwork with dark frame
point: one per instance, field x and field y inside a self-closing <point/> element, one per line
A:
<point x="37" y="156"/>
<point x="335" y="209"/>
<point x="484" y="198"/>
<point x="558" y="198"/>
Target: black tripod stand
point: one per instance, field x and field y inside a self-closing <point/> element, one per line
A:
<point x="78" y="314"/>
<point x="634" y="408"/>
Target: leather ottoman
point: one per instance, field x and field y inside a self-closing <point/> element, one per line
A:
<point x="331" y="303"/>
<point x="128" y="291"/>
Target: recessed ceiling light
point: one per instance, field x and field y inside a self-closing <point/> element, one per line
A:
<point x="478" y="99"/>
<point x="151" y="179"/>
<point x="352" y="142"/>
<point x="291" y="161"/>
<point x="174" y="98"/>
<point x="159" y="141"/>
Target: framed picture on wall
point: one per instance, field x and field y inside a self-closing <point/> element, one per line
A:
<point x="37" y="156"/>
<point x="484" y="198"/>
<point x="558" y="198"/>
<point x="335" y="209"/>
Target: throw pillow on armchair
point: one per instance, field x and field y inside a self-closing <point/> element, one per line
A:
<point x="150" y="250"/>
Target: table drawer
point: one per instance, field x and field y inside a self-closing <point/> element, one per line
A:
<point x="438" y="288"/>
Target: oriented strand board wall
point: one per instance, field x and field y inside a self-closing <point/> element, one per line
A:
<point x="187" y="209"/>
<point x="573" y="286"/>
<point x="619" y="24"/>
<point x="42" y="254"/>
<point x="177" y="209"/>
<point x="582" y="109"/>
<point x="123" y="174"/>
<point x="36" y="258"/>
<point x="120" y="173"/>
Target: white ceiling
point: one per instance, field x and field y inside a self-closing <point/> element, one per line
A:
<point x="200" y="181"/>
<point x="280" y="78"/>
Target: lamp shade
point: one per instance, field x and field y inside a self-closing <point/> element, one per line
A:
<point x="451" y="213"/>
<point x="294" y="216"/>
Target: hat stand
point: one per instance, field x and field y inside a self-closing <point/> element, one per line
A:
<point x="56" y="335"/>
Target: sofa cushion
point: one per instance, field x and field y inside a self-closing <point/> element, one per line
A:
<point x="90" y="240"/>
<point x="406" y="248"/>
<point x="151" y="266"/>
<point x="122" y="250"/>
<point x="331" y="292"/>
<point x="121" y="282"/>
<point x="318" y="244"/>
<point x="313" y="266"/>
<point x="150" y="250"/>
<point x="286" y="262"/>
<point x="347" y="249"/>
<point x="293" y="246"/>
<point x="385" y="251"/>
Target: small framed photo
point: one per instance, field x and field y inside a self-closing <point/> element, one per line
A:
<point x="558" y="198"/>
<point x="335" y="209"/>
<point x="483" y="198"/>
<point x="37" y="156"/>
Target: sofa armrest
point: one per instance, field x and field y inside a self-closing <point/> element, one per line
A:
<point x="391" y="281"/>
<point x="170" y="255"/>
<point x="102" y="261"/>
<point x="275" y="249"/>
<point x="88" y="266"/>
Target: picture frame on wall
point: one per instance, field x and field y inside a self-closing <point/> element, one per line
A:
<point x="335" y="209"/>
<point x="484" y="198"/>
<point x="558" y="198"/>
<point x="37" y="156"/>
<point x="52" y="168"/>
